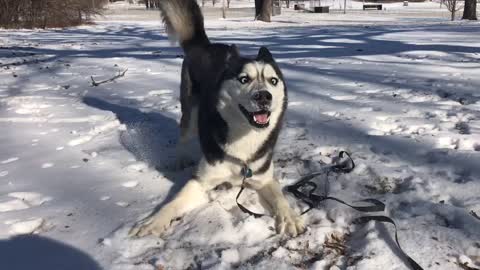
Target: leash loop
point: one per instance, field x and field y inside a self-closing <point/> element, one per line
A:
<point x="304" y="190"/>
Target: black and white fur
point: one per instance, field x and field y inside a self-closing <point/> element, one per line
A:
<point x="236" y="106"/>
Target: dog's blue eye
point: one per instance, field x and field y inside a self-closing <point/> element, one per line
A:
<point x="274" y="81"/>
<point x="244" y="79"/>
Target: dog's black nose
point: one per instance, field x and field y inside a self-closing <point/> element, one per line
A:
<point x="262" y="98"/>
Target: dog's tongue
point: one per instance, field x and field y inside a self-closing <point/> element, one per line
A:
<point x="261" y="118"/>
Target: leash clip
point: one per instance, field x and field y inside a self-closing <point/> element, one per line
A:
<point x="246" y="172"/>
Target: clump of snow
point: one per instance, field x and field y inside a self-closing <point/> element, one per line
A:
<point x="9" y="160"/>
<point x="130" y="184"/>
<point x="13" y="205"/>
<point x="47" y="165"/>
<point x="26" y="227"/>
<point x="33" y="198"/>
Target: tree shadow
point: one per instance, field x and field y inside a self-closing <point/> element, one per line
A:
<point x="151" y="137"/>
<point x="28" y="53"/>
<point x="27" y="252"/>
<point x="410" y="151"/>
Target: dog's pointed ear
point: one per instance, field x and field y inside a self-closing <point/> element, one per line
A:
<point x="232" y="53"/>
<point x="264" y="55"/>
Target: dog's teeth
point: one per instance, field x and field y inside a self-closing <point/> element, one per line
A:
<point x="261" y="118"/>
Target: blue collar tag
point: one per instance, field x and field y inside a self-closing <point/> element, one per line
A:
<point x="247" y="172"/>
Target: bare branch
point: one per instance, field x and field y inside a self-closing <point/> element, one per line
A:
<point x="120" y="74"/>
<point x="453" y="6"/>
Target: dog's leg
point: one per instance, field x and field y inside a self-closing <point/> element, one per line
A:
<point x="188" y="122"/>
<point x="286" y="220"/>
<point x="190" y="197"/>
<point x="271" y="196"/>
<point x="188" y="131"/>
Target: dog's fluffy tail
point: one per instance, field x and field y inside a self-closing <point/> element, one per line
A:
<point x="184" y="22"/>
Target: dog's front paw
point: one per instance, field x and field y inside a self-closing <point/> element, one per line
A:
<point x="287" y="221"/>
<point x="155" y="225"/>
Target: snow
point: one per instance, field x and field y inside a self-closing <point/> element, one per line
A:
<point x="79" y="165"/>
<point x="25" y="227"/>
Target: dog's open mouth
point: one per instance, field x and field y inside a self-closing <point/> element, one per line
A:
<point x="259" y="119"/>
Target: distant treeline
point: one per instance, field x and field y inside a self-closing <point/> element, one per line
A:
<point x="390" y="1"/>
<point x="47" y="13"/>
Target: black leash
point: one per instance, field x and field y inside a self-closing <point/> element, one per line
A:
<point x="246" y="173"/>
<point x="304" y="190"/>
<point x="366" y="219"/>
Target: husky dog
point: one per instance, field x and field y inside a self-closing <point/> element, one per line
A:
<point x="236" y="106"/>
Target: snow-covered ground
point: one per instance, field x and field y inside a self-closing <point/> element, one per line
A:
<point x="80" y="164"/>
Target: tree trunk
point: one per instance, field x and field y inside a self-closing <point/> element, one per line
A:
<point x="453" y="15"/>
<point x="258" y="8"/>
<point x="470" y="10"/>
<point x="224" y="15"/>
<point x="263" y="10"/>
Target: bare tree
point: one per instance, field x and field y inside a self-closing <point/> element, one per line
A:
<point x="47" y="13"/>
<point x="152" y="4"/>
<point x="263" y="10"/>
<point x="470" y="10"/>
<point x="453" y="6"/>
<point x="224" y="10"/>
